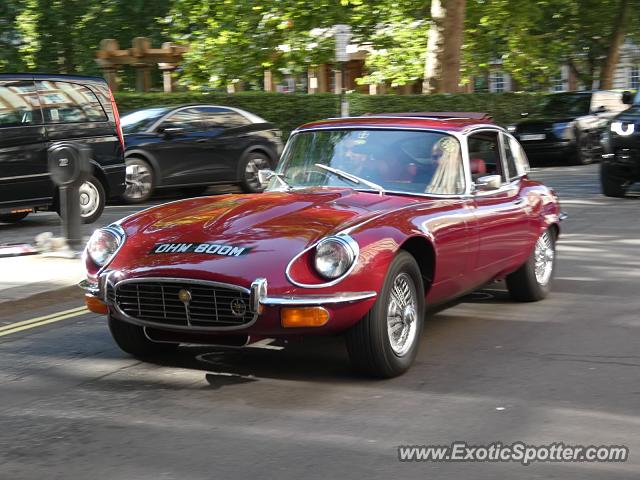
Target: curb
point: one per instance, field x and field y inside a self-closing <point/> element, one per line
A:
<point x="42" y="299"/>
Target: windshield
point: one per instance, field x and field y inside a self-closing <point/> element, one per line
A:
<point x="396" y="160"/>
<point x="139" y="120"/>
<point x="567" y="105"/>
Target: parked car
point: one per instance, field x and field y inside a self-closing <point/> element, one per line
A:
<point x="568" y="126"/>
<point x="194" y="146"/>
<point x="620" y="166"/>
<point x="365" y="222"/>
<point x="37" y="111"/>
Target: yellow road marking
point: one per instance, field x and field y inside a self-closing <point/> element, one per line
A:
<point x="40" y="321"/>
<point x="11" y="326"/>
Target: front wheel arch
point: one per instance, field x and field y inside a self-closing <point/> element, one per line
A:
<point x="425" y="255"/>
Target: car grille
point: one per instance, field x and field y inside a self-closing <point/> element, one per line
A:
<point x="160" y="302"/>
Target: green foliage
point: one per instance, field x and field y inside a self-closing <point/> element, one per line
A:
<point x="288" y="111"/>
<point x="534" y="38"/>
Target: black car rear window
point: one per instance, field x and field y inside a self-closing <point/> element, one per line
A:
<point x="66" y="102"/>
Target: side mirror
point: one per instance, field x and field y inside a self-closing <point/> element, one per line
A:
<point x="524" y="114"/>
<point x="265" y="175"/>
<point x="488" y="183"/>
<point x="627" y="97"/>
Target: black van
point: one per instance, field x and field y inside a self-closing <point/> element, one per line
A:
<point x="38" y="110"/>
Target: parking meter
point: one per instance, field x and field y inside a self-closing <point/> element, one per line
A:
<point x="69" y="166"/>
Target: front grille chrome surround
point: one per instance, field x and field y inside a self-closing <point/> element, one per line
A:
<point x="155" y="302"/>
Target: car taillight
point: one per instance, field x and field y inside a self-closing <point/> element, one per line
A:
<point x="116" y="115"/>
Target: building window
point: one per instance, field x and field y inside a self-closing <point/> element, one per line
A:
<point x="496" y="81"/>
<point x="635" y="77"/>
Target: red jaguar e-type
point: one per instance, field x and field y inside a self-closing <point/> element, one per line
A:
<point x="365" y="222"/>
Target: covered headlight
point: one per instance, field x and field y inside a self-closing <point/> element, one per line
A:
<point x="563" y="130"/>
<point x="104" y="243"/>
<point x="334" y="256"/>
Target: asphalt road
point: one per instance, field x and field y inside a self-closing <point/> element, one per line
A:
<point x="566" y="369"/>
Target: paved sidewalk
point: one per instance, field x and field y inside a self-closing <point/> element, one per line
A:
<point x="25" y="276"/>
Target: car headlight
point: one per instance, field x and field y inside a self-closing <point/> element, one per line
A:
<point x="104" y="243"/>
<point x="334" y="256"/>
<point x="563" y="130"/>
<point x="622" y="129"/>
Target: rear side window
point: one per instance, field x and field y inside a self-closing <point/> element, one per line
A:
<point x="19" y="104"/>
<point x="65" y="102"/>
<point x="217" y="117"/>
<point x="516" y="157"/>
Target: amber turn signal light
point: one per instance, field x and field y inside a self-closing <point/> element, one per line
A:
<point x="304" y="317"/>
<point x="95" y="305"/>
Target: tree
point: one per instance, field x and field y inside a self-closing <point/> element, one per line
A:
<point x="442" y="63"/>
<point x="615" y="41"/>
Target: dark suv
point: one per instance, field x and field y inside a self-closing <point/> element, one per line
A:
<point x="568" y="126"/>
<point x="620" y="166"/>
<point x="37" y="111"/>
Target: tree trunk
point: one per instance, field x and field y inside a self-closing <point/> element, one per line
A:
<point x="613" y="52"/>
<point x="442" y="63"/>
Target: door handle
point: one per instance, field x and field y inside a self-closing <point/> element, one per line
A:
<point x="518" y="201"/>
<point x="201" y="140"/>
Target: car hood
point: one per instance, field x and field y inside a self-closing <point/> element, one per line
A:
<point x="267" y="229"/>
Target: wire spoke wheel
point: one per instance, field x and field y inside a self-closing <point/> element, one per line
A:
<point x="402" y="314"/>
<point x="544" y="255"/>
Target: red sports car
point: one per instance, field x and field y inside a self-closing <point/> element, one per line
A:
<point x="365" y="222"/>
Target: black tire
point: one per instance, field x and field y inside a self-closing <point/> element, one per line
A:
<point x="523" y="284"/>
<point x="368" y="341"/>
<point x="194" y="191"/>
<point x="13" y="217"/>
<point x="140" y="186"/>
<point x="132" y="340"/>
<point x="90" y="210"/>
<point x="251" y="163"/>
<point x="612" y="185"/>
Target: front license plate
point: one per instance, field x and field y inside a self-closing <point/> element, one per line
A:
<point x="533" y="137"/>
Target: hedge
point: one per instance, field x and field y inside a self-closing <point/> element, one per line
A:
<point x="288" y="111"/>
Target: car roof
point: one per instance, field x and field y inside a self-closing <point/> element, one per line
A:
<point x="50" y="76"/>
<point x="451" y="124"/>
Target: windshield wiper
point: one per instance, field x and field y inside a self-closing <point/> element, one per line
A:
<point x="352" y="178"/>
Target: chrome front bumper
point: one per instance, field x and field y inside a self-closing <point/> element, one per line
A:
<point x="258" y="295"/>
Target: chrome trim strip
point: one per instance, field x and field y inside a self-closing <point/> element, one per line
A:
<point x="18" y="177"/>
<point x="348" y="297"/>
<point x="147" y="323"/>
<point x="347" y="239"/>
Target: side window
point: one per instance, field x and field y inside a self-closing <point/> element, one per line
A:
<point x="188" y="119"/>
<point x="19" y="104"/>
<point x="484" y="155"/>
<point x="509" y="156"/>
<point x="65" y="102"/>
<point x="519" y="157"/>
<point x="217" y="117"/>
